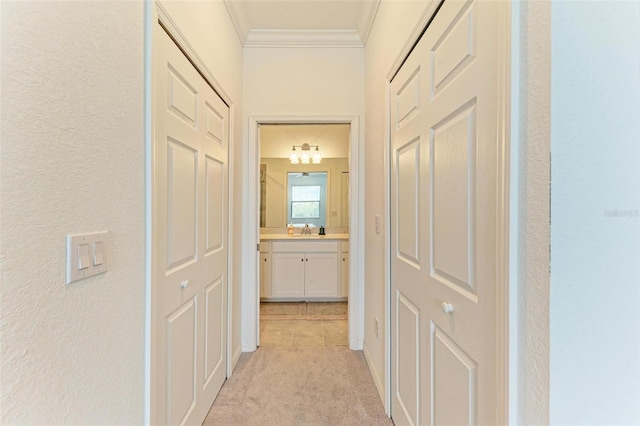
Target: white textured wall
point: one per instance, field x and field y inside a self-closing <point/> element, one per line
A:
<point x="595" y="213"/>
<point x="296" y="82"/>
<point x="393" y="25"/>
<point x="303" y="81"/>
<point x="72" y="160"/>
<point x="208" y="28"/>
<point x="530" y="221"/>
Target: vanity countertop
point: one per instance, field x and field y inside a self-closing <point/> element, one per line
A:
<point x="296" y="237"/>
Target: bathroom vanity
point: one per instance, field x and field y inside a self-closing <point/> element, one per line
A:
<point x="310" y="267"/>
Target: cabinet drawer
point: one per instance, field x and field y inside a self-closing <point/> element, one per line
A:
<point x="314" y="246"/>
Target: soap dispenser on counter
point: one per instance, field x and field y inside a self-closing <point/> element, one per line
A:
<point x="321" y="231"/>
<point x="290" y="229"/>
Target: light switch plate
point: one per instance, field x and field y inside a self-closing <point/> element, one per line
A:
<point x="77" y="270"/>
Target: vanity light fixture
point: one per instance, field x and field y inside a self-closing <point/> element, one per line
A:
<point x="304" y="156"/>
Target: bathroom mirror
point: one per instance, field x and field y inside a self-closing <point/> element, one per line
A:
<point x="278" y="175"/>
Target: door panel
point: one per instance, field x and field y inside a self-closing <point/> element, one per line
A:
<point x="455" y="48"/>
<point x="408" y="355"/>
<point x="181" y="348"/>
<point x="454" y="382"/>
<point x="452" y="182"/>
<point x="182" y="177"/>
<point x="445" y="218"/>
<point x="214" y="332"/>
<point x="190" y="204"/>
<point x="182" y="97"/>
<point x="408" y="202"/>
<point x="214" y="204"/>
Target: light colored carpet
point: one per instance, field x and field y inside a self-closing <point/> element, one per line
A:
<point x="304" y="310"/>
<point x="299" y="386"/>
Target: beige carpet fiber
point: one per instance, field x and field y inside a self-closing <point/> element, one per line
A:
<point x="299" y="386"/>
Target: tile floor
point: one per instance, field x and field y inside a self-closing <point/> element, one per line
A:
<point x="304" y="332"/>
<point x="304" y="324"/>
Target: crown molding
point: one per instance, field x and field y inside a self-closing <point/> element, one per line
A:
<point x="303" y="38"/>
<point x="239" y="18"/>
<point x="368" y="12"/>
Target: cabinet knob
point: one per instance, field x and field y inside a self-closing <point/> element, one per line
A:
<point x="301" y="260"/>
<point x="343" y="259"/>
<point x="447" y="307"/>
<point x="184" y="284"/>
<point x="265" y="259"/>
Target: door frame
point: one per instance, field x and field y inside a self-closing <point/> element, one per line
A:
<point x="505" y="192"/>
<point x="155" y="14"/>
<point x="251" y="226"/>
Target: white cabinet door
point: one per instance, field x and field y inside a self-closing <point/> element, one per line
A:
<point x="345" y="275"/>
<point x="265" y="275"/>
<point x="321" y="275"/>
<point x="287" y="279"/>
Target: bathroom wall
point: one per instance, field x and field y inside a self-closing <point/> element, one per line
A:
<point x="277" y="169"/>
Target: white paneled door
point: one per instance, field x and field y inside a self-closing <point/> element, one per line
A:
<point x="190" y="193"/>
<point x="446" y="221"/>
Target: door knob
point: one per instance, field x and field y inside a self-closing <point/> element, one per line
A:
<point x="184" y="284"/>
<point x="447" y="307"/>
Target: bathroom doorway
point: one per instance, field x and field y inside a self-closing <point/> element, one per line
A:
<point x="304" y="234"/>
<point x="351" y="249"/>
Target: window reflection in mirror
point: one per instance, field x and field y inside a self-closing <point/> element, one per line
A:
<point x="307" y="194"/>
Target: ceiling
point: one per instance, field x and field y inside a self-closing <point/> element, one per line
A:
<point x="302" y="23"/>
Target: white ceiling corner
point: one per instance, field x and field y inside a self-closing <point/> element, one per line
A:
<point x="302" y="23"/>
<point x="239" y="18"/>
<point x="367" y="16"/>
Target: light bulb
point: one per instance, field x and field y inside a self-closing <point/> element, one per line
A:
<point x="317" y="158"/>
<point x="294" y="156"/>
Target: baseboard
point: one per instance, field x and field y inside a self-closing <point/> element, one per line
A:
<point x="236" y="357"/>
<point x="374" y="373"/>
<point x="248" y="348"/>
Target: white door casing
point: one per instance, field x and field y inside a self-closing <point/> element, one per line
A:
<point x="447" y="196"/>
<point x="251" y="286"/>
<point x="190" y="202"/>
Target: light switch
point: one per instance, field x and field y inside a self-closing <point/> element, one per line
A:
<point x="98" y="250"/>
<point x="87" y="255"/>
<point x="83" y="256"/>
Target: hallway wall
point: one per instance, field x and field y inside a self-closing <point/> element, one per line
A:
<point x="72" y="161"/>
<point x="595" y="213"/>
<point x="392" y="27"/>
<point x="296" y="82"/>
